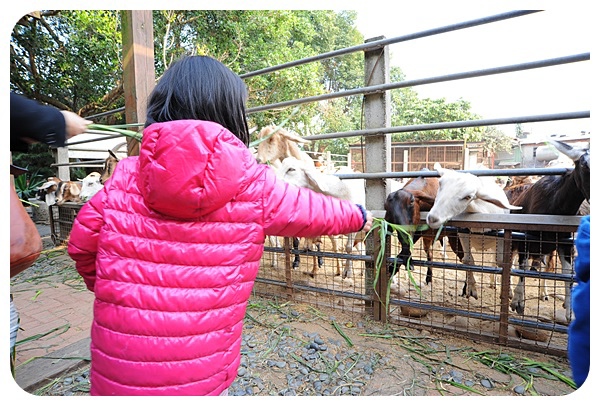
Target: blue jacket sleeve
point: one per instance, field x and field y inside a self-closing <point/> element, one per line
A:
<point x="579" y="329"/>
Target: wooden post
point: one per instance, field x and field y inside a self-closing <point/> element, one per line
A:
<point x="138" y="68"/>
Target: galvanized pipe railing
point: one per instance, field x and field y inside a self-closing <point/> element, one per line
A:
<point x="388" y="41"/>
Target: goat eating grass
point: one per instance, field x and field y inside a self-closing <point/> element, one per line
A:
<point x="461" y="192"/>
<point x="404" y="206"/>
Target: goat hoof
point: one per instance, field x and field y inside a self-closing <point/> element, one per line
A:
<point x="320" y="262"/>
<point x="472" y="294"/>
<point x="296" y="264"/>
<point x="518" y="307"/>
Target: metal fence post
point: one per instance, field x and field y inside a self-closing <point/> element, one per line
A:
<point x="377" y="155"/>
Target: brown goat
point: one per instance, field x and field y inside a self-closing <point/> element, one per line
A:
<point x="280" y="145"/>
<point x="109" y="166"/>
<point x="404" y="206"/>
<point x="68" y="191"/>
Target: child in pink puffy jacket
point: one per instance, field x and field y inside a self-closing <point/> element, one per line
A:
<point x="172" y="244"/>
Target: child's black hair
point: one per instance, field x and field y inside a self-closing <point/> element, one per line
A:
<point x="200" y="88"/>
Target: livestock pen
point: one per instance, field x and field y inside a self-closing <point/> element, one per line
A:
<point x="410" y="300"/>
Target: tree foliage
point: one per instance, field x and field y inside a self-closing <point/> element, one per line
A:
<point x="69" y="59"/>
<point x="72" y="59"/>
<point x="408" y="109"/>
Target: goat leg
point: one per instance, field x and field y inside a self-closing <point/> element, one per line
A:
<point x="320" y="261"/>
<point x="518" y="302"/>
<point x="470" y="287"/>
<point x="428" y="248"/>
<point x="296" y="245"/>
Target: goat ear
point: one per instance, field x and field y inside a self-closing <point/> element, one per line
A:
<point x="316" y="182"/>
<point x="294" y="137"/>
<point x="568" y="150"/>
<point x="47" y="185"/>
<point x="421" y="196"/>
<point x="74" y="188"/>
<point x="504" y="205"/>
<point x="439" y="169"/>
<point x="111" y="153"/>
<point x="496" y="196"/>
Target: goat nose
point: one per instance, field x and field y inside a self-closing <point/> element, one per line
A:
<point x="431" y="219"/>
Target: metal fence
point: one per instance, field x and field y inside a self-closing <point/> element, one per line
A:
<point x="410" y="300"/>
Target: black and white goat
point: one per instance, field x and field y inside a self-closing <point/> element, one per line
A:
<point x="555" y="195"/>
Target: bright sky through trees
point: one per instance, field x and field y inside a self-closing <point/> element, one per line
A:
<point x="538" y="36"/>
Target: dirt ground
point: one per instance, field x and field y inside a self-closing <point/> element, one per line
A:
<point x="416" y="362"/>
<point x="400" y="361"/>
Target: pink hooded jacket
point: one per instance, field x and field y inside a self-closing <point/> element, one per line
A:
<point x="171" y="247"/>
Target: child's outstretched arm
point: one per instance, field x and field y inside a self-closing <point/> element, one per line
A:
<point x="291" y="211"/>
<point x="83" y="239"/>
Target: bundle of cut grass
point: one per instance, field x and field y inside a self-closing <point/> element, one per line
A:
<point x="119" y="129"/>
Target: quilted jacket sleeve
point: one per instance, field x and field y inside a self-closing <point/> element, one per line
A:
<point x="291" y="211"/>
<point x="83" y="239"/>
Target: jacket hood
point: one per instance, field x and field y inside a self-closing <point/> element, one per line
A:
<point x="189" y="168"/>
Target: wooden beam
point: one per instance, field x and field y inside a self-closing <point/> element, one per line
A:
<point x="138" y="68"/>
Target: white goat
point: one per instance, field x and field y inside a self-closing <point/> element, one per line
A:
<point x="279" y="145"/>
<point x="300" y="174"/>
<point x="90" y="185"/>
<point x="466" y="193"/>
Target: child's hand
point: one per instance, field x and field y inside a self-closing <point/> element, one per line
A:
<point x="369" y="222"/>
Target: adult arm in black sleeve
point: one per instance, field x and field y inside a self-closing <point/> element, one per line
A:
<point x="31" y="122"/>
